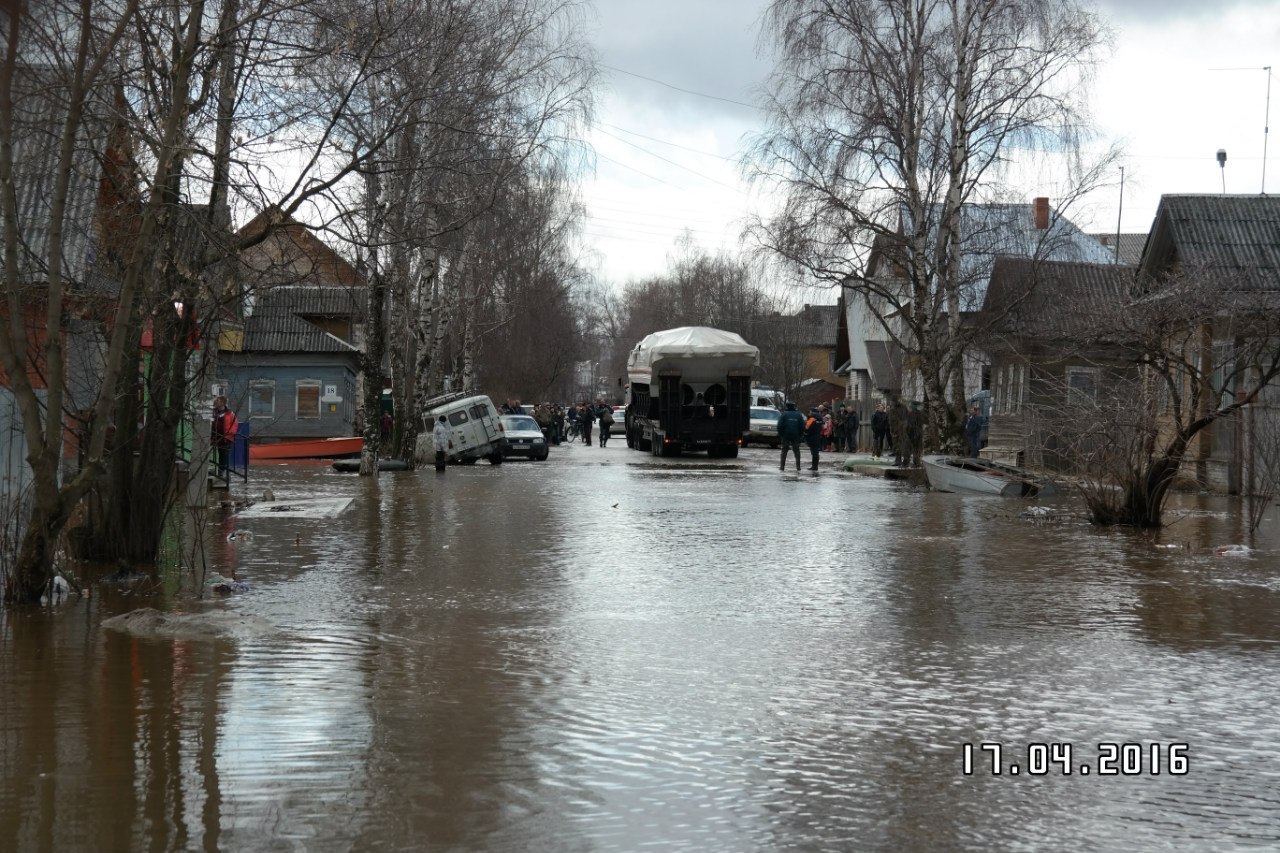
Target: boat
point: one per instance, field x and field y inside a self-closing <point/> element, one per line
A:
<point x="341" y="447"/>
<point x="964" y="475"/>
<point x="352" y="466"/>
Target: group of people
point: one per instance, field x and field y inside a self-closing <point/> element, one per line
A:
<point x="902" y="429"/>
<point x="583" y="417"/>
<point x="564" y="423"/>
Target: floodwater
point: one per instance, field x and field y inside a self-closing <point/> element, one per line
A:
<point x="607" y="651"/>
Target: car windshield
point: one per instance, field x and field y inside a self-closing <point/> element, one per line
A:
<point x="520" y="424"/>
<point x="761" y="414"/>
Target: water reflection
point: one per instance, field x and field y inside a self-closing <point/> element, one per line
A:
<point x="607" y="651"/>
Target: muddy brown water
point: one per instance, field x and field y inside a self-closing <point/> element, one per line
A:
<point x="607" y="651"/>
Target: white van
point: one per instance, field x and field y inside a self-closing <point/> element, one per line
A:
<point x="474" y="429"/>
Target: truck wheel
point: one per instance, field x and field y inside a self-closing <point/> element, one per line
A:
<point x="470" y="460"/>
<point x="731" y="452"/>
<point x="495" y="458"/>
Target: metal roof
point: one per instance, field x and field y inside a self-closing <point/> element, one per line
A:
<point x="989" y="231"/>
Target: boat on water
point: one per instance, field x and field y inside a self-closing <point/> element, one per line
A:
<point x="352" y="466"/>
<point x="342" y="447"/>
<point x="982" y="477"/>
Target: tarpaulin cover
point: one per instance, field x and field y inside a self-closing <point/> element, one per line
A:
<point x="692" y="342"/>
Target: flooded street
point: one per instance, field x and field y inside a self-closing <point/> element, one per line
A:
<point x="608" y="651"/>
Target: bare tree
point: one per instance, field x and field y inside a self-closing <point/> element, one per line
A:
<point x="1187" y="354"/>
<point x="232" y="105"/>
<point x="888" y="118"/>
<point x="496" y="88"/>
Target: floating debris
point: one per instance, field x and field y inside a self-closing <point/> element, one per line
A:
<point x="224" y="585"/>
<point x="1233" y="551"/>
<point x="302" y="508"/>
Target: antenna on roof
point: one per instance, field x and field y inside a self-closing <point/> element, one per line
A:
<point x="1222" y="165"/>
<point x="1118" y="215"/>
<point x="1266" y="129"/>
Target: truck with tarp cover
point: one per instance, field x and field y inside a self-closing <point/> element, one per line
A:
<point x="689" y="389"/>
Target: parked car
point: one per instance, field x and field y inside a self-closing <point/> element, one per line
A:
<point x="619" y="421"/>
<point x="523" y="438"/>
<point x="763" y="428"/>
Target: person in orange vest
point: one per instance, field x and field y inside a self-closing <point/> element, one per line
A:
<point x="224" y="432"/>
<point x="813" y="437"/>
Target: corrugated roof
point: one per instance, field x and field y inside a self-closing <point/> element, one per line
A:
<point x="1052" y="299"/>
<point x="819" y="325"/>
<point x="884" y="363"/>
<point x="1235" y="236"/>
<point x="1131" y="246"/>
<point x="278" y="325"/>
<point x="39" y="113"/>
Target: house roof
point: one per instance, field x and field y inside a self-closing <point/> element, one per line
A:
<point x="884" y="360"/>
<point x="1051" y="299"/>
<point x="989" y="231"/>
<point x="1131" y="245"/>
<point x="818" y="325"/>
<point x="279" y="320"/>
<point x="292" y="254"/>
<point x="1236" y="236"/>
<point x="39" y="114"/>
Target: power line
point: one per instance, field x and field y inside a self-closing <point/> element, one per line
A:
<point x="677" y="88"/>
<point x="672" y="162"/>
<point x="672" y="144"/>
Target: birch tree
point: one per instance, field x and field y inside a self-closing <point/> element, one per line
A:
<point x="887" y="117"/>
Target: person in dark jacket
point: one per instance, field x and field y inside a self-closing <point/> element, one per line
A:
<point x="790" y="430"/>
<point x="586" y="416"/>
<point x="914" y="435"/>
<point x="813" y="437"/>
<point x="879" y="430"/>
<point x="849" y="430"/>
<point x="973" y="431"/>
<point x="898" y="431"/>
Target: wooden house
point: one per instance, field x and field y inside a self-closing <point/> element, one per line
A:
<point x="1035" y="310"/>
<point x="877" y="367"/>
<point x="1234" y="241"/>
<point x="295" y="375"/>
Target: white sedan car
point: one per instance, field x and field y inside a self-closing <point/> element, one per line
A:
<point x="763" y="428"/>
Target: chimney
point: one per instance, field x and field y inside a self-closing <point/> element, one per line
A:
<point x="1040" y="209"/>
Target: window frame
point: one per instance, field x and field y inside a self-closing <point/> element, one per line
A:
<point x="298" y="386"/>
<point x="256" y="385"/>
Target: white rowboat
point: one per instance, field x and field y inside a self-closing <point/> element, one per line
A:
<point x="982" y="477"/>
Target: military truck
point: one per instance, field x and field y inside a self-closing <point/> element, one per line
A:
<point x="689" y="390"/>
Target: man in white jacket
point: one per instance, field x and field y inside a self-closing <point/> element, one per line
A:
<point x="440" y="440"/>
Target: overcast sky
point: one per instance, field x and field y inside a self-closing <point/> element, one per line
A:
<point x="679" y="78"/>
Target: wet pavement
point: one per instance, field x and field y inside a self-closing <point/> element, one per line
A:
<point x="608" y="651"/>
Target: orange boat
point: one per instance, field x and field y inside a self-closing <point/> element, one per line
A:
<point x="308" y="448"/>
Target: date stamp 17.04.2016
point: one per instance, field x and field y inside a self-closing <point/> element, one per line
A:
<point x="1107" y="759"/>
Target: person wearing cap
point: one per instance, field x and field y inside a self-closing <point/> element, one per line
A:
<point x="790" y="430"/>
<point x="813" y="437"/>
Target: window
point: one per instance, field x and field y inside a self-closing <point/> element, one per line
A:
<point x="308" y="404"/>
<point x="262" y="398"/>
<point x="1082" y="384"/>
<point x="458" y="418"/>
